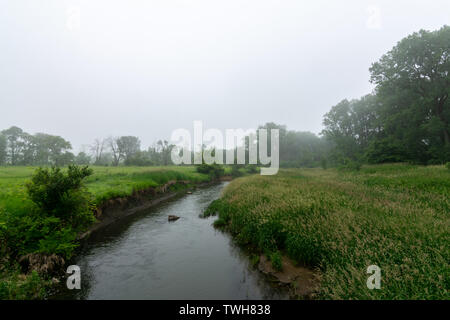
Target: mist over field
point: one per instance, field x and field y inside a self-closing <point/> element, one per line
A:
<point x="89" y="69"/>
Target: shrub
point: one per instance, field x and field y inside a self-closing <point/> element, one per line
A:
<point x="213" y="170"/>
<point x="62" y="194"/>
<point x="61" y="208"/>
<point x="447" y="165"/>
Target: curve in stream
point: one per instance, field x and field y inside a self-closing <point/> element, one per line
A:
<point x="146" y="257"/>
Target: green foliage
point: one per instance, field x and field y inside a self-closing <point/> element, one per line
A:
<point x="298" y="149"/>
<point x="324" y="163"/>
<point x="349" y="126"/>
<point x="82" y="159"/>
<point x="61" y="194"/>
<point x="236" y="172"/>
<point x="275" y="259"/>
<point x="39" y="149"/>
<point x="254" y="260"/>
<point x="394" y="216"/>
<point x="14" y="286"/>
<point x="215" y="171"/>
<point x="31" y="233"/>
<point x="251" y="169"/>
<point x="407" y="117"/>
<point x="62" y="207"/>
<point x="26" y="228"/>
<point x="412" y="87"/>
<point x="3" y="145"/>
<point x="138" y="159"/>
<point x="447" y="165"/>
<point x="350" y="165"/>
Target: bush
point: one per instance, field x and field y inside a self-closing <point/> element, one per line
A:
<point x="448" y="165"/>
<point x="62" y="195"/>
<point x="213" y="170"/>
<point x="61" y="208"/>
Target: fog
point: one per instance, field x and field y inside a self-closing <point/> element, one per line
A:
<point x="90" y="69"/>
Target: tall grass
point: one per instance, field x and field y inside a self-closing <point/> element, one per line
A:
<point x="393" y="216"/>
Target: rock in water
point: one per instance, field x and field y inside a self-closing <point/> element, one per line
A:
<point x="173" y="218"/>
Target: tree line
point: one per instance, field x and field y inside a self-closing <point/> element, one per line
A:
<point x="405" y="119"/>
<point x="19" y="148"/>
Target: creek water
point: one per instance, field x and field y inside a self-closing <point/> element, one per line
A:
<point x="145" y="256"/>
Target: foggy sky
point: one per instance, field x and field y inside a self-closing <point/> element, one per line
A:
<point x="91" y="69"/>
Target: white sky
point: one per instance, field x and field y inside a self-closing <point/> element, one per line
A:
<point x="94" y="68"/>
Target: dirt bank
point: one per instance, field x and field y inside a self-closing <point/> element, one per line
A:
<point x="303" y="282"/>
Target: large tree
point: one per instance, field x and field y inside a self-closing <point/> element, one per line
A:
<point x="14" y="146"/>
<point x="413" y="85"/>
<point x="351" y="126"/>
<point x="128" y="146"/>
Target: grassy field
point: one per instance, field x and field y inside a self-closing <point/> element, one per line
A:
<point x="393" y="216"/>
<point x="22" y="231"/>
<point x="105" y="183"/>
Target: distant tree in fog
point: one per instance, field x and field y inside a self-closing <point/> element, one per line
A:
<point x="82" y="159"/>
<point x="3" y="145"/>
<point x="97" y="149"/>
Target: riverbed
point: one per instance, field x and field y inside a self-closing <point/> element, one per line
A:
<point x="145" y="256"/>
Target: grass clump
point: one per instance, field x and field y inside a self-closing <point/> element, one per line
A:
<point x="275" y="259"/>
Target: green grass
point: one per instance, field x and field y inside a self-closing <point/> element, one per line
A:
<point x="105" y="183"/>
<point x="393" y="216"/>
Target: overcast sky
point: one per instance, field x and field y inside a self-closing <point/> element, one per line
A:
<point x="90" y="69"/>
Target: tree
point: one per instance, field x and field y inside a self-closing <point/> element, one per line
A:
<point x="97" y="150"/>
<point x="3" y="145"/>
<point x="116" y="152"/>
<point x="82" y="159"/>
<point x="351" y="126"/>
<point x="128" y="146"/>
<point x="140" y="158"/>
<point x="54" y="149"/>
<point x="28" y="145"/>
<point x="413" y="85"/>
<point x="164" y="149"/>
<point x="13" y="136"/>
